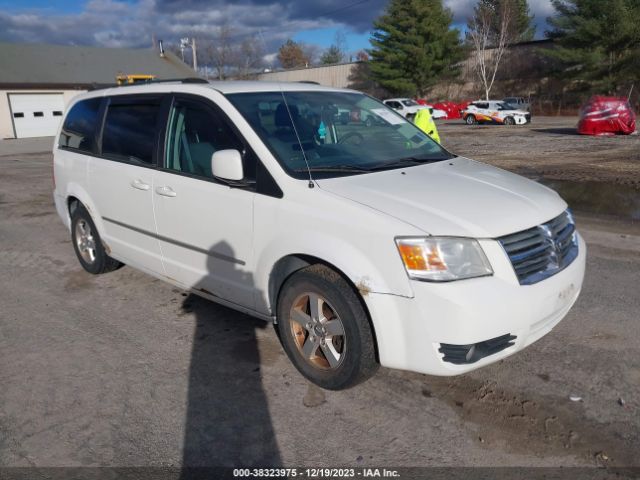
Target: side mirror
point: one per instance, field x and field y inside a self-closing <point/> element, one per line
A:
<point x="227" y="165"/>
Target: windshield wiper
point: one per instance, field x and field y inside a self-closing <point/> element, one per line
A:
<point x="336" y="168"/>
<point x="406" y="162"/>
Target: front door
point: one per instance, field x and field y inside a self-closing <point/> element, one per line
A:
<point x="205" y="226"/>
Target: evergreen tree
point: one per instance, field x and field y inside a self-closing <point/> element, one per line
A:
<point x="598" y="42"/>
<point x="333" y="54"/>
<point x="414" y="46"/>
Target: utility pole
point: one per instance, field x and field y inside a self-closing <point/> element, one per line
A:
<point x="184" y="43"/>
<point x="195" y="56"/>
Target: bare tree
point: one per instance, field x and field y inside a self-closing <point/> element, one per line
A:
<point x="220" y="51"/>
<point x="312" y="52"/>
<point x="249" y="57"/>
<point x="488" y="42"/>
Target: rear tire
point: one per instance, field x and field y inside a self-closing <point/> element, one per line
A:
<point x="470" y="120"/>
<point x="325" y="330"/>
<point x="88" y="245"/>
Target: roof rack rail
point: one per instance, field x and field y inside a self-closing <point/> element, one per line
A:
<point x="181" y="80"/>
<point x="196" y="80"/>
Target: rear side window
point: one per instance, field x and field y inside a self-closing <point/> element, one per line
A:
<point x="130" y="131"/>
<point x="79" y="129"/>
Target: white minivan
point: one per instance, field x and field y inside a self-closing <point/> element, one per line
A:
<point x="365" y="243"/>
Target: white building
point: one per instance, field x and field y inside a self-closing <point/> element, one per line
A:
<point x="37" y="81"/>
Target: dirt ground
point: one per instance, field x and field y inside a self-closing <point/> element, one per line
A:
<point x="124" y="370"/>
<point x="548" y="147"/>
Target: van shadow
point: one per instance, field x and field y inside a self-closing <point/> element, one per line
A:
<point x="227" y="421"/>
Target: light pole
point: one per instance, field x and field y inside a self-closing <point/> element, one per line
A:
<point x="184" y="43"/>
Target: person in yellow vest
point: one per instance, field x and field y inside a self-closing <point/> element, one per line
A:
<point x="425" y="122"/>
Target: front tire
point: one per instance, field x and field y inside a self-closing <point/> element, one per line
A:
<point x="509" y="121"/>
<point x="324" y="329"/>
<point x="88" y="245"/>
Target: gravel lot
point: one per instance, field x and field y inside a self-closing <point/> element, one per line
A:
<point x="124" y="370"/>
<point x="548" y="147"/>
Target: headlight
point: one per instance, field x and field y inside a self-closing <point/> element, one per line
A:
<point x="442" y="259"/>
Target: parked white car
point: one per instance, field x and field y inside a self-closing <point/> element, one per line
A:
<point x="406" y="107"/>
<point x="436" y="113"/>
<point x="494" y="111"/>
<point x="366" y="245"/>
<point x="520" y="103"/>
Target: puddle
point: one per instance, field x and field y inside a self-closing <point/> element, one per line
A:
<point x="599" y="198"/>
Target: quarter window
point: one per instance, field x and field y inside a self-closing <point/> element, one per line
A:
<point x="130" y="131"/>
<point x="79" y="129"/>
<point x="195" y="134"/>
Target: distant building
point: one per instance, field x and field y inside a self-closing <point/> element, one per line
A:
<point x="328" y="75"/>
<point x="37" y="81"/>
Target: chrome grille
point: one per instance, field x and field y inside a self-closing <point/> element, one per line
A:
<point x="542" y="251"/>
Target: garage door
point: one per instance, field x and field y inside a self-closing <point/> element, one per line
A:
<point x="37" y="114"/>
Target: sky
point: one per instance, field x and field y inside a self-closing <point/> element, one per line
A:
<point x="134" y="23"/>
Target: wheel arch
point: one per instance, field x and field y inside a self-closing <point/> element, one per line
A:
<point x="76" y="196"/>
<point x="292" y="263"/>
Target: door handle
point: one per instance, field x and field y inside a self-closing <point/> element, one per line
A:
<point x="140" y="185"/>
<point x="166" y="191"/>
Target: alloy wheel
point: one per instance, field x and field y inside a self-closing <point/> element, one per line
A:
<point x="85" y="241"/>
<point x="317" y="331"/>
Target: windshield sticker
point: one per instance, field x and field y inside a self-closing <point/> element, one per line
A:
<point x="388" y="116"/>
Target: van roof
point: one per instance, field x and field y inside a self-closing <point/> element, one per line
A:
<point x="225" y="87"/>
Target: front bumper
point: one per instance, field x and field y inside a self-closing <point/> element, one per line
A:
<point x="410" y="331"/>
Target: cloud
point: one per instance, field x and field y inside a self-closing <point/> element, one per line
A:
<point x="119" y="23"/>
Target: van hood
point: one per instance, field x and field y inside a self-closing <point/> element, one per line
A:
<point x="457" y="197"/>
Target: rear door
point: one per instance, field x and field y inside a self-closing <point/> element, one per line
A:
<point x="121" y="176"/>
<point x="205" y="226"/>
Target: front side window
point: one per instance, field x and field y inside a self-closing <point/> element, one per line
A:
<point x="130" y="131"/>
<point x="79" y="128"/>
<point x="195" y="133"/>
<point x="311" y="127"/>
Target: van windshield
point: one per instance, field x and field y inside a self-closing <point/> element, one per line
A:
<point x="334" y="133"/>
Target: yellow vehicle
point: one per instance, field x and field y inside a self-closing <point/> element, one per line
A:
<point x="424" y="121"/>
<point x="135" y="78"/>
